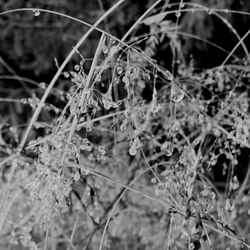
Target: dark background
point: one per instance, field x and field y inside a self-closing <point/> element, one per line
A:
<point x="29" y="44"/>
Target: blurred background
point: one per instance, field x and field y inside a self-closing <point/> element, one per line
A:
<point x="30" y="44"/>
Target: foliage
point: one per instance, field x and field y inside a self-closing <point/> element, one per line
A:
<point x="129" y="151"/>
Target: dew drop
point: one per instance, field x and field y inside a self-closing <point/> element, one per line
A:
<point x="119" y="69"/>
<point x="177" y="94"/>
<point x="77" y="176"/>
<point x="142" y="114"/>
<point x="24" y="100"/>
<point x="191" y="246"/>
<point x="228" y="205"/>
<point x="125" y="79"/>
<point x="153" y="180"/>
<point x="105" y="49"/>
<point x="132" y="151"/>
<point x="66" y="74"/>
<point x="77" y="67"/>
<point x="42" y="85"/>
<point x="84" y="171"/>
<point x="119" y="102"/>
<point x="99" y="78"/>
<point x="178" y="14"/>
<point x="36" y="12"/>
<point x="175" y="127"/>
<point x="73" y="74"/>
<point x="146" y="76"/>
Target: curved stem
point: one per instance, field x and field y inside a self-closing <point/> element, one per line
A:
<point x="53" y="81"/>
